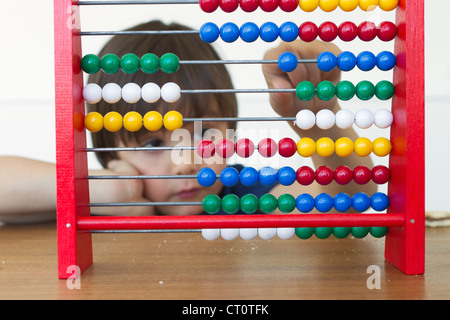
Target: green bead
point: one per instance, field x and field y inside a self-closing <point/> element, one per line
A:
<point x="326" y="90"/>
<point x="110" y="63"/>
<point x="305" y="90"/>
<point x="211" y="204"/>
<point x="365" y="90"/>
<point x="341" y="232"/>
<point x="230" y="203"/>
<point x="360" y="232"/>
<point x="130" y="63"/>
<point x="149" y="63"/>
<point x="286" y="203"/>
<point x="169" y="63"/>
<point x="323" y="232"/>
<point x="249" y="203"/>
<point x="384" y="90"/>
<point x="268" y="203"/>
<point x="345" y="90"/>
<point x="378" y="232"/>
<point x="90" y="64"/>
<point x="304" y="233"/>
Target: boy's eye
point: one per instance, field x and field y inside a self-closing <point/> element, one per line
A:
<point x="153" y="143"/>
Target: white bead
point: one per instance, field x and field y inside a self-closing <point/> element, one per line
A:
<point x="229" y="234"/>
<point x="210" y="234"/>
<point x="383" y="118"/>
<point x="151" y="92"/>
<point x="305" y="119"/>
<point x="112" y="93"/>
<point x="364" y="118"/>
<point x="248" y="233"/>
<point x="285" y="233"/>
<point x="131" y="92"/>
<point x="267" y="233"/>
<point x="325" y="119"/>
<point x="344" y="119"/>
<point x="92" y="93"/>
<point x="170" y="92"/>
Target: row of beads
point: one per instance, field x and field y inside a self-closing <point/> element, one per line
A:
<point x="290" y="5"/>
<point x="289" y="31"/>
<point x="286" y="176"/>
<point x="287" y="203"/>
<point x="288" y="233"/>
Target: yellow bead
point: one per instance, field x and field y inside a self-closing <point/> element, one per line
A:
<point x="132" y="121"/>
<point x="153" y="121"/>
<point x="173" y="120"/>
<point x="382" y="147"/>
<point x="325" y="147"/>
<point x="348" y="5"/>
<point x="368" y="5"/>
<point x="328" y="5"/>
<point x="388" y="5"/>
<point x="363" y="147"/>
<point x="344" y="147"/>
<point x="308" y="5"/>
<point x="306" y="147"/>
<point x="112" y="121"/>
<point x="93" y="121"/>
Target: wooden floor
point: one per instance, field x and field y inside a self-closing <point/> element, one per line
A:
<point x="185" y="266"/>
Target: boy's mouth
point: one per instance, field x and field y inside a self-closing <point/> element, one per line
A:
<point x="188" y="193"/>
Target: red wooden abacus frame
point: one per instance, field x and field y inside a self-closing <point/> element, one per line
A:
<point x="405" y="241"/>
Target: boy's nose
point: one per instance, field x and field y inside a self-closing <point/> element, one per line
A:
<point x="187" y="165"/>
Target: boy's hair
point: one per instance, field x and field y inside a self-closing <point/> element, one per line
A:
<point x="198" y="76"/>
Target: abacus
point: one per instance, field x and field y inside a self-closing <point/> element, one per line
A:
<point x="402" y="224"/>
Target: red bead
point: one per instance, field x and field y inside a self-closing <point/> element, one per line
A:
<point x="324" y="175"/>
<point x="367" y="31"/>
<point x="268" y="5"/>
<point x="244" y="148"/>
<point x="381" y="174"/>
<point x="229" y="5"/>
<point x="267" y="147"/>
<point x="387" y="31"/>
<point x="362" y="175"/>
<point x="308" y="31"/>
<point x="305" y="175"/>
<point x="348" y="31"/>
<point x="328" y="31"/>
<point x="288" y="5"/>
<point x="249" y="5"/>
<point x="343" y="175"/>
<point x="209" y="5"/>
<point x="287" y="147"/>
<point x="225" y="148"/>
<point x="206" y="149"/>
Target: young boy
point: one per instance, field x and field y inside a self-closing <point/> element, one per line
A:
<point x="36" y="201"/>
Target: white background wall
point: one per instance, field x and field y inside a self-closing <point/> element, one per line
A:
<point x="27" y="95"/>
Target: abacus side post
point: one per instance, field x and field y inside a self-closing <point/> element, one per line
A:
<point x="74" y="246"/>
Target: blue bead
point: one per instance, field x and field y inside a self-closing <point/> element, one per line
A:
<point x="324" y="202"/>
<point x="386" y="61"/>
<point x="361" y="202"/>
<point x="305" y="203"/>
<point x="249" y="32"/>
<point x="206" y="177"/>
<point x="229" y="32"/>
<point x="346" y="61"/>
<point x="379" y="201"/>
<point x="268" y="176"/>
<point x="288" y="31"/>
<point x="326" y="61"/>
<point x="269" y="32"/>
<point x="286" y="176"/>
<point x="229" y="177"/>
<point x="249" y="176"/>
<point x="209" y="32"/>
<point x="342" y="202"/>
<point x="287" y="62"/>
<point x="366" y="61"/>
